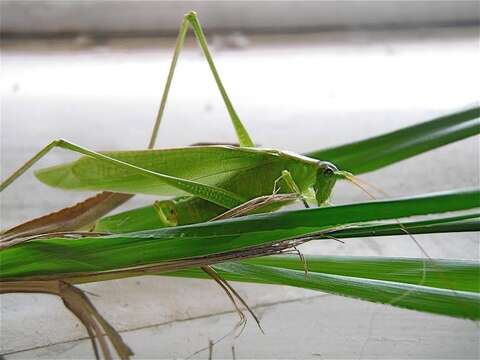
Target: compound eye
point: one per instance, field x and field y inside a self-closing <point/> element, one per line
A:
<point x="328" y="171"/>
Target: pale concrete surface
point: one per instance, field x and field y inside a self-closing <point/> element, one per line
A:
<point x="337" y="328"/>
<point x="293" y="92"/>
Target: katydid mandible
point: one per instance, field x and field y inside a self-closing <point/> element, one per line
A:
<point x="214" y="178"/>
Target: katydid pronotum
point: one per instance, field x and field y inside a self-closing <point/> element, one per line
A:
<point x="210" y="179"/>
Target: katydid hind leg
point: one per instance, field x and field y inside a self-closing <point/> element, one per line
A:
<point x="191" y="19"/>
<point x="163" y="102"/>
<point x="242" y="134"/>
<point x="105" y="201"/>
<point x="75" y="216"/>
<point x="210" y="193"/>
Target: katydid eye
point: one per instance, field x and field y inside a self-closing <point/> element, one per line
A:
<point x="328" y="171"/>
<point x="326" y="168"/>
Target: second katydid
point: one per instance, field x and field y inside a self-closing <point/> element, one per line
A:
<point x="211" y="179"/>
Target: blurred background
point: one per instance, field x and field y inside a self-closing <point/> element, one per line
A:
<point x="303" y="75"/>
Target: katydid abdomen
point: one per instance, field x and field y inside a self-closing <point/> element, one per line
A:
<point x="182" y="210"/>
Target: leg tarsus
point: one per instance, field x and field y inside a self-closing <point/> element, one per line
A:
<point x="28" y="164"/>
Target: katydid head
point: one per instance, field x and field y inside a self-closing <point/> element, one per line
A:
<point x="167" y="212"/>
<point x="327" y="175"/>
<point x="325" y="181"/>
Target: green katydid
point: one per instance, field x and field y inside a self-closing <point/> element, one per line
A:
<point x="210" y="179"/>
<point x="215" y="178"/>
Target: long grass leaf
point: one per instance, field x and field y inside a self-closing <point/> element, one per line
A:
<point x="450" y="224"/>
<point x="415" y="297"/>
<point x="379" y="151"/>
<point x="60" y="257"/>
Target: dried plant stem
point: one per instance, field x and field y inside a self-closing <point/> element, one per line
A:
<point x="256" y="204"/>
<point x="78" y="303"/>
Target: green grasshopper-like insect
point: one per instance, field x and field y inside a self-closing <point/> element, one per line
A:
<point x="207" y="180"/>
<point x="210" y="179"/>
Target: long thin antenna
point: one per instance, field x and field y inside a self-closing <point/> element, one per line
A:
<point x="362" y="184"/>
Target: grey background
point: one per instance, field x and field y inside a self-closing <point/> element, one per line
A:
<point x="41" y="18"/>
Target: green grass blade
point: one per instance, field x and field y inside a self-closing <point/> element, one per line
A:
<point x="469" y="222"/>
<point x="146" y="218"/>
<point x="422" y="298"/>
<point x="380" y="151"/>
<point x="460" y="275"/>
<point x="64" y="256"/>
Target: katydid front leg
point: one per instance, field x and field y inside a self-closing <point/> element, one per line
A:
<point x="287" y="178"/>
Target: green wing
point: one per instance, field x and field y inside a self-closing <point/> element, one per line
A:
<point x="209" y="165"/>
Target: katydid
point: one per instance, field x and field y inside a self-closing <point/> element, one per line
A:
<point x="214" y="178"/>
<point x="209" y="179"/>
